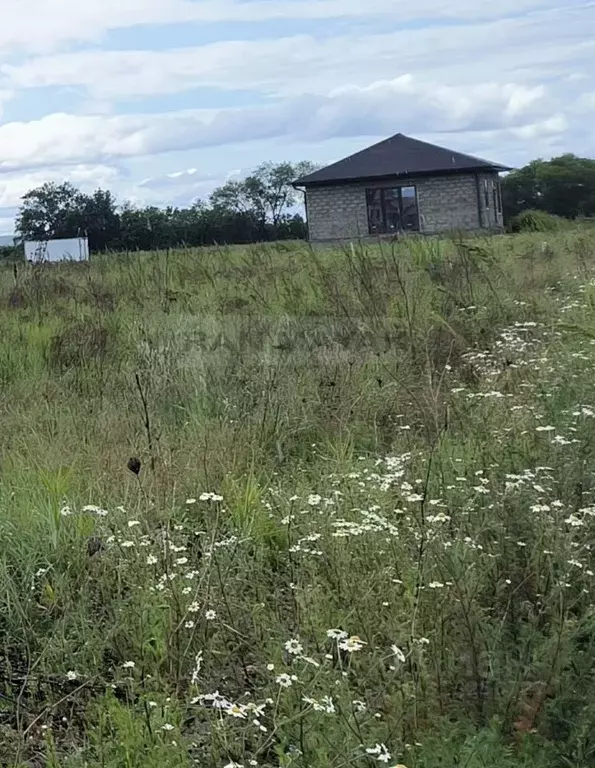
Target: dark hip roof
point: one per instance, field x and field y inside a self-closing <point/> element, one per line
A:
<point x="398" y="156"/>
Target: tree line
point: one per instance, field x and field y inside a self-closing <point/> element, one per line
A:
<point x="563" y="186"/>
<point x="262" y="207"/>
<point x="257" y="208"/>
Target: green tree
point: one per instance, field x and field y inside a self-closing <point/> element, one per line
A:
<point x="271" y="186"/>
<point x="564" y="186"/>
<point x="98" y="218"/>
<point x="232" y="196"/>
<point x="257" y="208"/>
<point x="266" y="195"/>
<point x="62" y="210"/>
<point x="50" y="211"/>
<point x="145" y="228"/>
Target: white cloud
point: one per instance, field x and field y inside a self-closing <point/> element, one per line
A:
<point x="6" y="226"/>
<point x="5" y="96"/>
<point x="551" y="126"/>
<point x="179" y="188"/>
<point x="38" y="25"/>
<point x="88" y="177"/>
<point x="508" y="81"/>
<point x="405" y="104"/>
<point x="548" y="42"/>
<point x="189" y="179"/>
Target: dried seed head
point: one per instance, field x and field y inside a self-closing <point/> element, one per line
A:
<point x="134" y="465"/>
<point x="94" y="545"/>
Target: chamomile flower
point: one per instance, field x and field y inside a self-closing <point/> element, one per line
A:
<point x="294" y="647"/>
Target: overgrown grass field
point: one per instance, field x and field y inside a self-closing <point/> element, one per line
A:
<point x="362" y="529"/>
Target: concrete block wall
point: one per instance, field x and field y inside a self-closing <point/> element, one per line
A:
<point x="339" y="212"/>
<point x="447" y="202"/>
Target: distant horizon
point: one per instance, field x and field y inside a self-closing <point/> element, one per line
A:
<point x="165" y="100"/>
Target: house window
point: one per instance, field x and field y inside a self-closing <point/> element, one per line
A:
<point x="486" y="193"/>
<point x="392" y="209"/>
<point x="498" y="194"/>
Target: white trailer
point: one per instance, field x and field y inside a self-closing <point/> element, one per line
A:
<point x="74" y="249"/>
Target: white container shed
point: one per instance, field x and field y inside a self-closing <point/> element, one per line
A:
<point x="74" y="249"/>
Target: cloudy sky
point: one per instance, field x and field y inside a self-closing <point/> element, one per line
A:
<point x="162" y="100"/>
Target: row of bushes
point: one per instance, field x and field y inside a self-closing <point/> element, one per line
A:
<point x="536" y="221"/>
<point x="527" y="221"/>
<point x="11" y="253"/>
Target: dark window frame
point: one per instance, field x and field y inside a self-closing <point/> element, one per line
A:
<point x="498" y="191"/>
<point x="382" y="192"/>
<point x="486" y="194"/>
